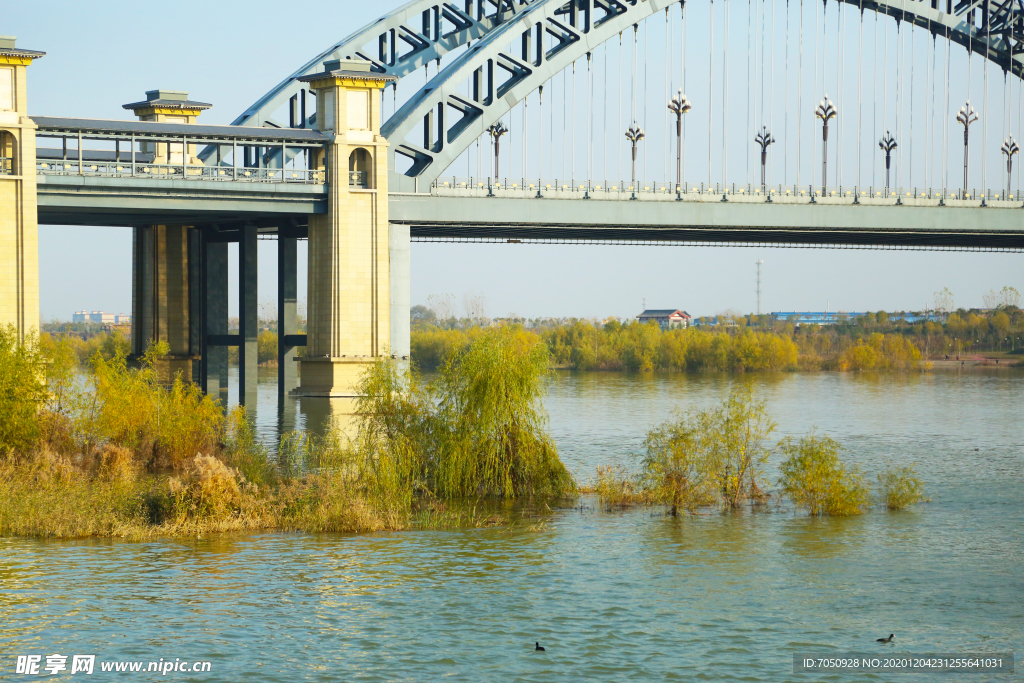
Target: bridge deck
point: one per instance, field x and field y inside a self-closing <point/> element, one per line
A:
<point x="748" y="220"/>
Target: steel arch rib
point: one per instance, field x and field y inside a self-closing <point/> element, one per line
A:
<point x="473" y="19"/>
<point x="1002" y="42"/>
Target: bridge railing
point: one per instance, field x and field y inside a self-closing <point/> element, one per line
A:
<point x="166" y="151"/>
<point x="122" y="169"/>
<point x="6" y="166"/>
<point x="652" y="191"/>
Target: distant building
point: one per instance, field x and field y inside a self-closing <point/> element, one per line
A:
<point x="101" y="318"/>
<point x="833" y="317"/>
<point x="667" y="318"/>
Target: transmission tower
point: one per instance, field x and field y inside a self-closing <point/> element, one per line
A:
<point x="758" y="263"/>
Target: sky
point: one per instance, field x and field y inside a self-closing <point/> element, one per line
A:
<point x="230" y="53"/>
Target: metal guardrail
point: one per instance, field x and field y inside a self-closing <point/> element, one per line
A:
<point x="524" y="188"/>
<point x="358" y="179"/>
<point x="6" y="166"/>
<point x="121" y="169"/>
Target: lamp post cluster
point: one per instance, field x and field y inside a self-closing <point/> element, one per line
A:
<point x="826" y="111"/>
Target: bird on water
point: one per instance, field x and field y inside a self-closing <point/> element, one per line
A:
<point x="538" y="648"/>
<point x="886" y="640"/>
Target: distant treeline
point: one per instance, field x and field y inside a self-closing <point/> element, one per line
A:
<point x="875" y="343"/>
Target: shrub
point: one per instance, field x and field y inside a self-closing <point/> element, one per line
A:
<point x="899" y="488"/>
<point x="22" y="392"/>
<point x="815" y="478"/>
<point x="616" y="488"/>
<point x="245" y="452"/>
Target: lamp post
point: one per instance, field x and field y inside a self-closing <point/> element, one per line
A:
<point x="679" y="105"/>
<point x="635" y="134"/>
<point x="887" y="144"/>
<point x="1009" y="149"/>
<point x="764" y="138"/>
<point x="966" y="116"/>
<point x="825" y="111"/>
<point x="496" y="130"/>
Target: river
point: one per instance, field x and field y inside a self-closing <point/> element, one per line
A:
<point x="611" y="595"/>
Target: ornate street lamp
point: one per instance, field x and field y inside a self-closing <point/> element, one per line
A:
<point x="496" y="130"/>
<point x="966" y="116"/>
<point x="764" y="138"/>
<point x="825" y="111"/>
<point x="887" y="144"/>
<point x="679" y="105"/>
<point x="1009" y="149"/>
<point x="635" y="134"/>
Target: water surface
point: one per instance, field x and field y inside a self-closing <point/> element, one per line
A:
<point x="615" y="596"/>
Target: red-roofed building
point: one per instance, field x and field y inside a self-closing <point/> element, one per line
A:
<point x="667" y="318"/>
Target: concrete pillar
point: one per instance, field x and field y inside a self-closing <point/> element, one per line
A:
<point x="287" y="293"/>
<point x="215" y="315"/>
<point x="248" y="318"/>
<point x="161" y="297"/>
<point x="349" y="281"/>
<point x="399" y="248"/>
<point x="165" y="300"/>
<point x="19" y="227"/>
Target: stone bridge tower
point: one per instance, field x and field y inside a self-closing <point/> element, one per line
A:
<point x="19" y="223"/>
<point x="348" y="312"/>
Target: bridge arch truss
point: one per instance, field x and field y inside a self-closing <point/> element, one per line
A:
<point x="546" y="37"/>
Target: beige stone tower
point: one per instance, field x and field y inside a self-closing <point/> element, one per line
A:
<point x="19" y="226"/>
<point x="348" y="309"/>
<point x="160" y="263"/>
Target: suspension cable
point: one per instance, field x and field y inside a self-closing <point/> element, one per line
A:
<point x="682" y="66"/>
<point x="800" y="95"/>
<point x="750" y="70"/>
<point x="984" y="121"/>
<point x="572" y="145"/>
<point x="785" y="122"/>
<point x="771" y="104"/>
<point x="841" y="25"/>
<point x="860" y="99"/>
<point x="901" y="91"/>
<point x="725" y="93"/>
<point x="590" y="123"/>
<point x="711" y="82"/>
<point x="668" y="86"/>
<point x="643" y="150"/>
<point x="945" y="119"/>
<point x="618" y="119"/>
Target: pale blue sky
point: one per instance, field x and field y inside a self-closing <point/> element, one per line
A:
<point x="104" y="53"/>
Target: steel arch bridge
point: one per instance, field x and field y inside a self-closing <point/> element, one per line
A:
<point x="547" y="36"/>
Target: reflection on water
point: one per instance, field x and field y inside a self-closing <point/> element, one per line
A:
<point x="624" y="595"/>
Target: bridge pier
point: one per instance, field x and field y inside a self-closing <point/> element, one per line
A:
<point x="161" y="298"/>
<point x="213" y="269"/>
<point x="349" y="262"/>
<point x="287" y="326"/>
<point x="19" y="223"/>
<point x="399" y="248"/>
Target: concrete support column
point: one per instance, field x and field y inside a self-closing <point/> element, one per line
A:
<point x="215" y="318"/>
<point x="399" y="249"/>
<point x="19" y="227"/>
<point x="161" y="298"/>
<point x="287" y="293"/>
<point x="248" y="321"/>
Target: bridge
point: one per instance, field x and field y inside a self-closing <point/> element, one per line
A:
<point x="461" y="121"/>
